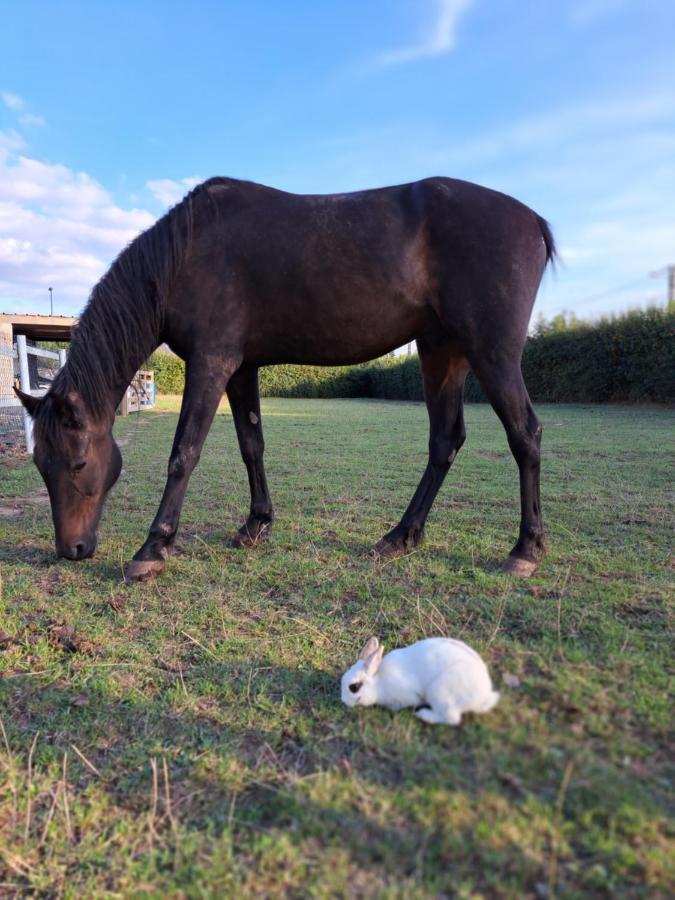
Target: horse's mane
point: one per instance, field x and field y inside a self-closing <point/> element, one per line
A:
<point x="122" y="321"/>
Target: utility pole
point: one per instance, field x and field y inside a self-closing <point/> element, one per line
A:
<point x="51" y="302"/>
<point x="669" y="272"/>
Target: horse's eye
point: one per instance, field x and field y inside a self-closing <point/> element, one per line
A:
<point x="356" y="687"/>
<point x="79" y="466"/>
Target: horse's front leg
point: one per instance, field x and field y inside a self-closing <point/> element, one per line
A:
<point x="205" y="382"/>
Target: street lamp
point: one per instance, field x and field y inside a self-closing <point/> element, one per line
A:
<point x="51" y="302"/>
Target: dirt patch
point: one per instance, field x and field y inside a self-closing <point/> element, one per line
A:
<point x="65" y="637"/>
<point x="288" y="754"/>
<point x="12" y="460"/>
<point x="6" y="640"/>
<point x="12" y="452"/>
<point x="13" y="507"/>
<point x="39" y="498"/>
<point x="51" y="582"/>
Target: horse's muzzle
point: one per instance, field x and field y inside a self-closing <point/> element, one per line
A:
<point x="76" y="551"/>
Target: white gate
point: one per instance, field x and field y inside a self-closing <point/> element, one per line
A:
<point x="21" y="351"/>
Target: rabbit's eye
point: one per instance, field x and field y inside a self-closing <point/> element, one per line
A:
<point x="356" y="687"/>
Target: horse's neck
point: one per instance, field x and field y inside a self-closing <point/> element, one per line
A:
<point x="112" y="370"/>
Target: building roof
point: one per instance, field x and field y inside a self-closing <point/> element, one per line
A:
<point x="39" y="327"/>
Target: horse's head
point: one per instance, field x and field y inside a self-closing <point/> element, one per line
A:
<point x="79" y="462"/>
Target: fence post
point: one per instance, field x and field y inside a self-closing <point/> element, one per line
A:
<point x="62" y="358"/>
<point x="24" y="381"/>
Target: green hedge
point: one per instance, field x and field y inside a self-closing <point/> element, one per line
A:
<point x="313" y="381"/>
<point x="169" y="372"/>
<point x="628" y="358"/>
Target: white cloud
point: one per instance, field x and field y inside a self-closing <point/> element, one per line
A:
<point x="58" y="228"/>
<point x="169" y="191"/>
<point x="10" y="142"/>
<point x="558" y="129"/>
<point x="603" y="174"/>
<point x="602" y="171"/>
<point x="12" y="101"/>
<point x="441" y="38"/>
<point x="18" y="105"/>
<point x="31" y="119"/>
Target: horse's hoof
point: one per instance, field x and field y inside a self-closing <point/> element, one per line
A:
<point x="143" y="569"/>
<point x="521" y="568"/>
<point x="385" y="550"/>
<point x="247" y="537"/>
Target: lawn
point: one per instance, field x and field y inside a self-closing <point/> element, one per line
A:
<point x="185" y="737"/>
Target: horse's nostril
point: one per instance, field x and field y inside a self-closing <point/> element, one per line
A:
<point x="74" y="551"/>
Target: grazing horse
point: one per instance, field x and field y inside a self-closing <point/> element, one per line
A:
<point x="238" y="276"/>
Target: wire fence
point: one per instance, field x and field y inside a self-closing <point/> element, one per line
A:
<point x="11" y="418"/>
<point x="31" y="367"/>
<point x="39" y="368"/>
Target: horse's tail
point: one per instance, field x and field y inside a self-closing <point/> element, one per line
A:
<point x="549" y="242"/>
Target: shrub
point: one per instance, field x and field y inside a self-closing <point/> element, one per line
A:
<point x="626" y="358"/>
<point x="169" y="372"/>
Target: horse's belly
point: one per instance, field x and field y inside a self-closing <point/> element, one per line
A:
<point x="334" y="333"/>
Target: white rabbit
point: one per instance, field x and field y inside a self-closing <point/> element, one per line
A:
<point x="442" y="677"/>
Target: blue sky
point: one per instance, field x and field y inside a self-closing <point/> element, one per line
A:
<point x="110" y="111"/>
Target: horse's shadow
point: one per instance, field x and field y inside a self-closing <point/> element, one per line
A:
<point x="27" y="552"/>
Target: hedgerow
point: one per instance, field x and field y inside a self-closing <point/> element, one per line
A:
<point x="169" y="372"/>
<point x="627" y="358"/>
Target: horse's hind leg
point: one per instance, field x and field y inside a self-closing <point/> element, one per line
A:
<point x="443" y="376"/>
<point x="504" y="387"/>
<point x="244" y="397"/>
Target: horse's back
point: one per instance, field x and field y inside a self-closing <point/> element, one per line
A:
<point x="331" y="278"/>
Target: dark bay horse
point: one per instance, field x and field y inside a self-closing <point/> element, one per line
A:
<point x="239" y="276"/>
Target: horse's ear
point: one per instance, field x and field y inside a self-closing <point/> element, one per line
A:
<point x="28" y="401"/>
<point x="70" y="410"/>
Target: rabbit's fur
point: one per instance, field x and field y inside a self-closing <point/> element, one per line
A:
<point x="442" y="677"/>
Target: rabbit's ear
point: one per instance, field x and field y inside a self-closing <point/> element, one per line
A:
<point x="373" y="661"/>
<point x="369" y="648"/>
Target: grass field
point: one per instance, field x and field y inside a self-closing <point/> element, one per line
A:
<point x="185" y="738"/>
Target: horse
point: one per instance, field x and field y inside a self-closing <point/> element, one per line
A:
<point x="239" y="275"/>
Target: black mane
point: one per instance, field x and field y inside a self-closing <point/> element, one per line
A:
<point x="122" y="322"/>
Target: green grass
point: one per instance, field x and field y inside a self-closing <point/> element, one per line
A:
<point x="187" y="735"/>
